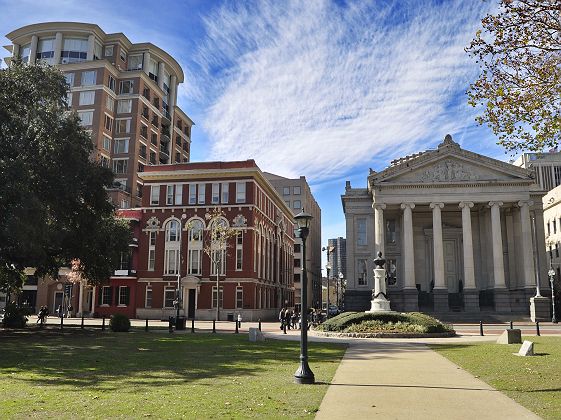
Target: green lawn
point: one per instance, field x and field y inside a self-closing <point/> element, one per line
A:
<point x="134" y="375"/>
<point x="534" y="382"/>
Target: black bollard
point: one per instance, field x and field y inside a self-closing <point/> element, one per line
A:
<point x="103" y="324"/>
<point x="170" y="325"/>
<point x="193" y="325"/>
<point x="214" y="326"/>
<point x="511" y="325"/>
<point x="237" y="332"/>
<point x="259" y="324"/>
<point x="82" y="324"/>
<point x="146" y="326"/>
<point x="481" y="328"/>
<point x="538" y="328"/>
<point x="61" y="322"/>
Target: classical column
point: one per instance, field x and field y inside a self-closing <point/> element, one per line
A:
<point x="379" y="228"/>
<point x="161" y="67"/>
<point x="58" y="47"/>
<point x="91" y="41"/>
<point x="146" y="62"/>
<point x="33" y="49"/>
<point x="526" y="244"/>
<point x="501" y="295"/>
<point x="411" y="301"/>
<point x="471" y="294"/>
<point x="438" y="247"/>
<point x="440" y="291"/>
<point x="15" y="51"/>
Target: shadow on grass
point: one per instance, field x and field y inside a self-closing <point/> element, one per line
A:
<point x="94" y="359"/>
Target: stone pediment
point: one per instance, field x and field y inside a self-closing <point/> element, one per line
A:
<point x="450" y="164"/>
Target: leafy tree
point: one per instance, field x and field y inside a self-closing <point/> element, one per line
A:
<point x="215" y="245"/>
<point x="519" y="53"/>
<point x="53" y="203"/>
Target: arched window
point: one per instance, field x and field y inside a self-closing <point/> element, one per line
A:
<point x="196" y="229"/>
<point x="172" y="245"/>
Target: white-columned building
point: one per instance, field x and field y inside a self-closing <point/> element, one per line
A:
<point x="458" y="230"/>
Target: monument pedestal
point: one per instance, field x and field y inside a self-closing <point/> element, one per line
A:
<point x="539" y="309"/>
<point x="440" y="300"/>
<point x="471" y="300"/>
<point x="379" y="302"/>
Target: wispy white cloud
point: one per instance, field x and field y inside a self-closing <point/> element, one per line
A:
<point x="316" y="88"/>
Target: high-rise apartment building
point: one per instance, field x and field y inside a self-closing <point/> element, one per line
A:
<point x="337" y="257"/>
<point x="546" y="167"/>
<point x="297" y="195"/>
<point x="124" y="93"/>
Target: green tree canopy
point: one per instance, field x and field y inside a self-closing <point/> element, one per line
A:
<point x="53" y="203"/>
<point x="519" y="53"/>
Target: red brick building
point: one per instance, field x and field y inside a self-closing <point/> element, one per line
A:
<point x="255" y="269"/>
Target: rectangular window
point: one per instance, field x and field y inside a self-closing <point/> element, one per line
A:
<point x="296" y="190"/>
<point x="88" y="78"/>
<point x="215" y="193"/>
<point x="124" y="295"/>
<point x="148" y="298"/>
<point x="297" y="248"/>
<point x="178" y="195"/>
<point x="239" y="297"/>
<point x="110" y="103"/>
<point x="151" y="251"/>
<point x="106" y="295"/>
<point x="169" y="194"/>
<point x="169" y="297"/>
<point x="391" y="235"/>
<point x="225" y="192"/>
<point x="361" y="232"/>
<point x="87" y="97"/>
<point x="108" y="123"/>
<point x="69" y="79"/>
<point x="286" y="191"/>
<point x="86" y="118"/>
<point x="123" y="55"/>
<point x="239" y="251"/>
<point x="154" y="139"/>
<point x="194" y="261"/>
<point x="97" y="51"/>
<point x="106" y="143"/>
<point x="362" y="273"/>
<point x="171" y="261"/>
<point x="297" y="278"/>
<point x="296" y="204"/>
<point x="124" y="106"/>
<point x="215" y="296"/>
<point x="45" y="51"/>
<point x="104" y="161"/>
<point x="120" y="166"/>
<point x="144" y="131"/>
<point x="154" y="195"/>
<point x="125" y="87"/>
<point x="192" y="193"/>
<point x="123" y="126"/>
<point x="201" y="199"/>
<point x="153" y="69"/>
<point x="152" y="158"/>
<point x="218" y="261"/>
<point x="240" y="192"/>
<point x="111" y="83"/>
<point x="121" y="146"/>
<point x="135" y="62"/>
<point x="296" y="262"/>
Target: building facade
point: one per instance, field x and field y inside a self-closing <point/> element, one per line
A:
<point x="459" y="232"/>
<point x="254" y="269"/>
<point x="552" y="219"/>
<point x="546" y="167"/>
<point x="337" y="257"/>
<point x="124" y="93"/>
<point x="297" y="195"/>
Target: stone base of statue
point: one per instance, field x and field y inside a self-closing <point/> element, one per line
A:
<point x="379" y="302"/>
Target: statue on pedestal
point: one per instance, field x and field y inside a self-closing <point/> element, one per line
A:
<point x="380" y="302"/>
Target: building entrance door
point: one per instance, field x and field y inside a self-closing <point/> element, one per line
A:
<point x="451" y="265"/>
<point x="57" y="302"/>
<point x="191" y="304"/>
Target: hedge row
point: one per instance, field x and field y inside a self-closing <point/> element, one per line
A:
<point x="353" y="322"/>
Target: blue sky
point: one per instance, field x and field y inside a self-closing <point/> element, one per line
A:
<point x="325" y="89"/>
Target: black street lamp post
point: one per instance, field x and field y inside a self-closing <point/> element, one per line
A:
<point x="304" y="374"/>
<point x="551" y="274"/>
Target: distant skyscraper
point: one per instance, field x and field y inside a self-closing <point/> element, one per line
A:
<point x="338" y="257"/>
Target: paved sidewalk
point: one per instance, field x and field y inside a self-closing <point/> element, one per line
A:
<point x="400" y="380"/>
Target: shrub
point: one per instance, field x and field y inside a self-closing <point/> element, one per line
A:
<point x="366" y="322"/>
<point x="15" y="317"/>
<point x="119" y="323"/>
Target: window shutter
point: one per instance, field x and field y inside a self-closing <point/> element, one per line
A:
<point x="127" y="295"/>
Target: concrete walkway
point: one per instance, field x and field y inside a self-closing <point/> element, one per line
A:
<point x="404" y="380"/>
